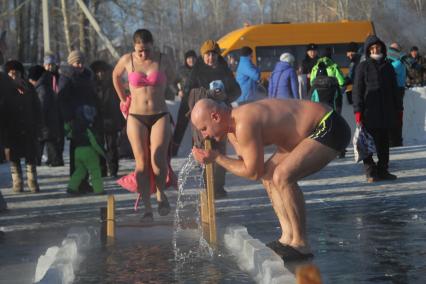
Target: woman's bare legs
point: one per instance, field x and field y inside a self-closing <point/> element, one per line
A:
<point x="160" y="140"/>
<point x="138" y="137"/>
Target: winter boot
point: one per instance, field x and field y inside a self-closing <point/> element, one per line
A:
<point x="16" y="171"/>
<point x="32" y="178"/>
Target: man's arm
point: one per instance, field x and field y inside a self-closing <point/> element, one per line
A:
<point x="250" y="148"/>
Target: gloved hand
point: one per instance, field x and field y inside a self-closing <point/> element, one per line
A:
<point x="358" y="118"/>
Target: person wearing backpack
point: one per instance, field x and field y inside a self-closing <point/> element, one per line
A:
<point x="325" y="89"/>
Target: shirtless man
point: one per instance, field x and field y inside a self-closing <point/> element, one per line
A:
<point x="307" y="135"/>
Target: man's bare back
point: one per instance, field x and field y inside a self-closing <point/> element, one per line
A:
<point x="284" y="123"/>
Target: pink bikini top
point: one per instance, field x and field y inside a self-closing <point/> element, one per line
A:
<point x="139" y="79"/>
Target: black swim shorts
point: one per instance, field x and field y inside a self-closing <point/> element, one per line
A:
<point x="332" y="131"/>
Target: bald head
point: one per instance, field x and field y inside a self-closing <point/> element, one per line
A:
<point x="202" y="109"/>
<point x="210" y="118"/>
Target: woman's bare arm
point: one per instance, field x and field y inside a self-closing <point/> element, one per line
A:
<point x="116" y="77"/>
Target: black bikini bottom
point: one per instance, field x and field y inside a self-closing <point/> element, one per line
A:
<point x="149" y="119"/>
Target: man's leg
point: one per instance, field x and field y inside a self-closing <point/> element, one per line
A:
<point x="275" y="197"/>
<point x="308" y="157"/>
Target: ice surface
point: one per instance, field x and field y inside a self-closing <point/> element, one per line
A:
<point x="44" y="262"/>
<point x="255" y="258"/>
<point x="59" y="263"/>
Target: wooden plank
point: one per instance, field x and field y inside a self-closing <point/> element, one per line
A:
<point x="110" y="220"/>
<point x="210" y="198"/>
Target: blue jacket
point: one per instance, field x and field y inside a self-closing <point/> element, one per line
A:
<point x="247" y="75"/>
<point x="401" y="72"/>
<point x="283" y="82"/>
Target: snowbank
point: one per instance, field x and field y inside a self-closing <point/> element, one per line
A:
<point x="255" y="258"/>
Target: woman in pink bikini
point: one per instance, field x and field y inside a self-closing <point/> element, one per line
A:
<point x="148" y="122"/>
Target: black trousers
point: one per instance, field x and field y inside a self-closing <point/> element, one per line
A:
<point x="54" y="154"/>
<point x="111" y="163"/>
<point x="181" y="125"/>
<point x="381" y="141"/>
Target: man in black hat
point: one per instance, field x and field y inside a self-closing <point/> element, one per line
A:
<point x="309" y="62"/>
<point x="354" y="57"/>
<point x="416" y="67"/>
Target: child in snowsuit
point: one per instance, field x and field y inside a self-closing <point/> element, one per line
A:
<point x="87" y="151"/>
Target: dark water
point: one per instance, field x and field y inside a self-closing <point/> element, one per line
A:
<point x="366" y="241"/>
<point x="153" y="262"/>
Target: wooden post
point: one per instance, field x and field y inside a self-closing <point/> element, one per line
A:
<point x="210" y="198"/>
<point x="110" y="220"/>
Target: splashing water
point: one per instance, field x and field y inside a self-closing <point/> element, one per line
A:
<point x="187" y="221"/>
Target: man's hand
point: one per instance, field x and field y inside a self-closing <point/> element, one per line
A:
<point x="204" y="156"/>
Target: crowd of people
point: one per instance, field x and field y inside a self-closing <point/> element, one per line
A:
<point x="97" y="106"/>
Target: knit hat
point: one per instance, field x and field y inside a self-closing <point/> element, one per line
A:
<point x="311" y="46"/>
<point x="190" y="53"/>
<point x="49" y="59"/>
<point x="352" y="47"/>
<point x="14" y="65"/>
<point x="35" y="72"/>
<point x="209" y="45"/>
<point x="414" y="48"/>
<point x="74" y="56"/>
<point x="287" y="57"/>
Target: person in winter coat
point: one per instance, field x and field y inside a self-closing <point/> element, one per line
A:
<point x="86" y="151"/>
<point x="325" y="89"/>
<point x="50" y="64"/>
<point x="22" y="122"/>
<point x="40" y="79"/>
<point x="182" y="120"/>
<point x="248" y="75"/>
<point x="209" y="68"/>
<point x="416" y="68"/>
<point x="112" y="119"/>
<point x="283" y="83"/>
<point x="309" y="62"/>
<point x="376" y="101"/>
<point x="394" y="56"/>
<point x="77" y="88"/>
<point x="7" y="89"/>
<point x="354" y="57"/>
<point x="333" y="69"/>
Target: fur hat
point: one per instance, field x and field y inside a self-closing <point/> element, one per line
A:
<point x="287" y="57"/>
<point x="209" y="45"/>
<point x="74" y="56"/>
<point x="312" y="46"/>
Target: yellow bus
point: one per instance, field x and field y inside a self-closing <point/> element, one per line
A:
<point x="269" y="41"/>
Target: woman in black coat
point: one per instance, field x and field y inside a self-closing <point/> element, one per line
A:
<point x="212" y="67"/>
<point x="22" y="124"/>
<point x="49" y="134"/>
<point x="376" y="101"/>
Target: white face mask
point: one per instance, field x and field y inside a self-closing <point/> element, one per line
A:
<point x="377" y="56"/>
